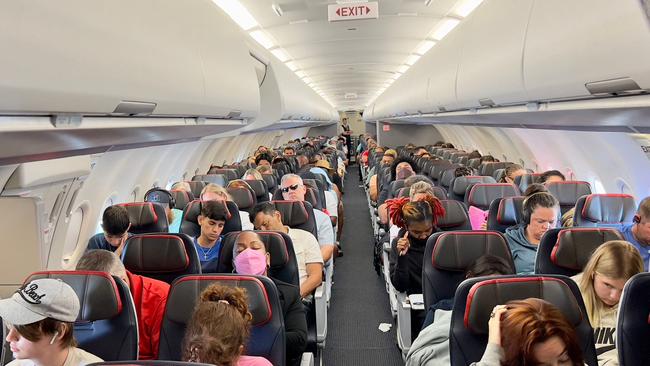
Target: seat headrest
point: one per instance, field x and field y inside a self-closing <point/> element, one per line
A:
<point x="242" y="197"/>
<point x="275" y="243"/>
<point x="574" y="246"/>
<point x="448" y="175"/>
<point x="155" y="253"/>
<point x="567" y="193"/>
<point x="230" y="173"/>
<point x="482" y="194"/>
<point x="190" y="288"/>
<point x="608" y="208"/>
<point x="182" y="198"/>
<point x="461" y="183"/>
<point x="146" y="216"/>
<point x="457" y="250"/>
<point x="258" y="186"/>
<point x="485" y="295"/>
<point x="487" y="168"/>
<point x="197" y="186"/>
<point x="293" y="212"/>
<point x="218" y="179"/>
<point x="193" y="210"/>
<point x="510" y="209"/>
<point x="455" y="214"/>
<point x="99" y="297"/>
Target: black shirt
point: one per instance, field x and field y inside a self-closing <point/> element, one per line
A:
<point x="295" y="321"/>
<point x="406" y="270"/>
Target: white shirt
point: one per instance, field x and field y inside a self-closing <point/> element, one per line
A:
<point x="324" y="227"/>
<point x="246" y="223"/>
<point x="306" y="249"/>
<point x="76" y="357"/>
<point x="332" y="203"/>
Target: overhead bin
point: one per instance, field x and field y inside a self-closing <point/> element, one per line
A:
<point x="182" y="58"/>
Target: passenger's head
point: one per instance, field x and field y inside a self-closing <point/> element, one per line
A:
<point x="448" y="145"/>
<point x="212" y="219"/>
<point x="264" y="169"/>
<point x="474" y="155"/>
<point x="292" y="188"/>
<point x="463" y="171"/>
<point x="551" y="176"/>
<point x="641" y="228"/>
<point x="511" y="172"/>
<point x="420" y="150"/>
<point x="261" y="149"/>
<point x="263" y="159"/>
<point x="116" y="224"/>
<point x="103" y="261"/>
<point x="252" y="174"/>
<point x="302" y="160"/>
<point x="535" y="188"/>
<point x="379" y="150"/>
<point x="389" y="157"/>
<point x="219" y="327"/>
<point x="419" y="190"/>
<point x="419" y="218"/>
<point x="489" y="265"/>
<point x="487" y="159"/>
<point x="605" y="275"/>
<point x="408" y="182"/>
<point x="264" y="216"/>
<point x="249" y="254"/>
<point x="214" y="192"/>
<point x="534" y="332"/>
<point x="181" y="186"/>
<point x="239" y="183"/>
<point x="289" y="151"/>
<point x="539" y="214"/>
<point x="403" y="168"/>
<point x="40" y="318"/>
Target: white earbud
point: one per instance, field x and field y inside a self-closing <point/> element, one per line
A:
<point x="56" y="334"/>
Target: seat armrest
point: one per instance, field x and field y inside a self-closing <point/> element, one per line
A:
<point x="403" y="322"/>
<point x="307" y="359"/>
<point x="321" y="314"/>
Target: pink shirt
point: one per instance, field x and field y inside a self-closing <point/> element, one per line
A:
<point x="253" y="361"/>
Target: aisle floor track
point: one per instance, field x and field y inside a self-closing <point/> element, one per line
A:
<point x="359" y="301"/>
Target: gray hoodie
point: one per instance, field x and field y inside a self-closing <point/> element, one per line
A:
<point x="431" y="347"/>
<point x="523" y="252"/>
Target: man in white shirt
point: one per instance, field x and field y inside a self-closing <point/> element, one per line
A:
<point x="308" y="255"/>
<point x="293" y="189"/>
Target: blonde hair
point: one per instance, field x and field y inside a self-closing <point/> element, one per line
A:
<point x="181" y="186"/>
<point x="264" y="169"/>
<point x="215" y="188"/>
<point x="420" y="187"/>
<point x="254" y="173"/>
<point x="616" y="259"/>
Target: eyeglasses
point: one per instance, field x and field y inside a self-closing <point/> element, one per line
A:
<point x="290" y="188"/>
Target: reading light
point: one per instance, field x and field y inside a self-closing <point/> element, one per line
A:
<point x="291" y="65"/>
<point x="444" y="27"/>
<point x="402" y="69"/>
<point x="412" y="59"/>
<point x="424" y="47"/>
<point x="280" y="54"/>
<point x="238" y="13"/>
<point x="262" y="38"/>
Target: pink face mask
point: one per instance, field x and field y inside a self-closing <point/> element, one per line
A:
<point x="250" y="262"/>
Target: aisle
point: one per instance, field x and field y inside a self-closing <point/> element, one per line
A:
<point x="359" y="299"/>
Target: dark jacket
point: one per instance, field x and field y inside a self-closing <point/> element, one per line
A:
<point x="295" y="321"/>
<point x="406" y="270"/>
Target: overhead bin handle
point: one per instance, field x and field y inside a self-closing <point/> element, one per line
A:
<point x="612" y="86"/>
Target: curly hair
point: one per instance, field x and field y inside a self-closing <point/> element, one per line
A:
<point x="403" y="212"/>
<point x="396" y="162"/>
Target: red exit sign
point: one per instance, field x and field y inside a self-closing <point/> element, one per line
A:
<point x="353" y="11"/>
<point x="386" y="127"/>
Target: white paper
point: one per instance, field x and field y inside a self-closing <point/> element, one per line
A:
<point x="385" y="327"/>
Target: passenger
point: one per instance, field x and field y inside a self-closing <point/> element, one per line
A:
<point x="401" y="168"/>
<point x="293" y="189"/>
<point x="530" y="332"/>
<point x="208" y="244"/>
<point x="426" y="155"/>
<point x="420" y="150"/>
<point x="215" y="192"/>
<point x="40" y="320"/>
<point x="551" y="176"/>
<point x="511" y="172"/>
<point x="463" y="171"/>
<point x="149" y="296"/>
<point x="305" y="245"/>
<point x="638" y="232"/>
<point x="386" y="161"/>
<point x="601" y="285"/>
<point x="181" y="186"/>
<point x="488" y="159"/>
<point x="535" y="188"/>
<point x="419" y="190"/>
<point x="219" y="328"/>
<point x="303" y="160"/>
<point x="474" y="155"/>
<point x="116" y="225"/>
<point x="252" y="174"/>
<point x="250" y="257"/>
<point x="265" y="169"/>
<point x="289" y="151"/>
<point x="263" y="159"/>
<point x="539" y="214"/>
<point x="448" y="146"/>
<point x="431" y="347"/>
<point x="164" y="197"/>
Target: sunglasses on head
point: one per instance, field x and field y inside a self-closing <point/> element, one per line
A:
<point x="290" y="188"/>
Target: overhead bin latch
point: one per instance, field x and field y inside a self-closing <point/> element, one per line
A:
<point x="63" y="120"/>
<point x="233" y="115"/>
<point x="613" y="86"/>
<point x="133" y="108"/>
<point x="486" y="102"/>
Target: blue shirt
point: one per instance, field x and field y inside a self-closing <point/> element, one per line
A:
<point x="523" y="252"/>
<point x="644" y="250"/>
<point x="209" y="258"/>
<point x="98" y="241"/>
<point x="175" y="226"/>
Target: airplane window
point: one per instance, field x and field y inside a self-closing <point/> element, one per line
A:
<point x="598" y="186"/>
<point x="72" y="235"/>
<point x="109" y="202"/>
<point x="623" y="186"/>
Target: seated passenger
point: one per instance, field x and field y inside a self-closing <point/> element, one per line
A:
<point x="293" y="189"/>
<point x="149" y="297"/>
<point x="162" y="196"/>
<point x="551" y="176"/>
<point x="386" y="161"/>
<point x="215" y="192"/>
<point x="530" y="332"/>
<point x="116" y="225"/>
<point x="488" y="159"/>
<point x="474" y="154"/>
<point x="289" y="151"/>
<point x="535" y="188"/>
<point x="40" y="320"/>
<point x="601" y="285"/>
<point x="431" y="347"/>
<point x="417" y="192"/>
<point x="219" y="329"/>
<point x="638" y="232"/>
<point x="263" y="159"/>
<point x="463" y="171"/>
<point x="305" y="246"/>
<point x="265" y="169"/>
<point x="251" y="258"/>
<point x="401" y="168"/>
<point x="512" y="171"/>
<point x="420" y="150"/>
<point x="208" y="244"/>
<point x="539" y="214"/>
<point x="252" y="174"/>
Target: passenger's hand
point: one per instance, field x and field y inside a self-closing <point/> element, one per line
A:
<point x="403" y="244"/>
<point x="484" y="225"/>
<point x="494" y="324"/>
<point x="120" y="248"/>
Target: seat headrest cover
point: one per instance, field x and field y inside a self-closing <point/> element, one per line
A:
<point x="574" y="246"/>
<point x="456" y="250"/>
<point x="485" y="295"/>
<point x="155" y="253"/>
<point x="182" y="198"/>
<point x="568" y="192"/>
<point x="608" y="208"/>
<point x="218" y="179"/>
<point x="141" y="213"/>
<point x="455" y="214"/>
<point x="461" y="183"/>
<point x="510" y="210"/>
<point x="293" y="212"/>
<point x="190" y="287"/>
<point x="98" y="294"/>
<point x="259" y="186"/>
<point x="242" y="197"/>
<point x="482" y="194"/>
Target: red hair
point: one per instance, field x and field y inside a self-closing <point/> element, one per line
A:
<point x="402" y="211"/>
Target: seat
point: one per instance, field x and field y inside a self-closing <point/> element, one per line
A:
<point x="448" y="176"/>
<point x="146" y="217"/>
<point x="474" y="163"/>
<point x="604" y="210"/>
<point x="218" y="179"/>
<point x="567" y="251"/>
<point x="107" y="325"/>
<point x="438" y="192"/>
<point x="260" y="189"/>
<point x="481" y="195"/>
<point x="395" y="186"/>
<point x="456" y="217"/>
<point x="488" y="168"/>
<point x="437" y="167"/>
<point x="197" y="186"/>
<point x="297" y="215"/>
<point x="230" y="174"/>
<point x="271" y="182"/>
<point x="567" y="193"/>
<point x="504" y="213"/>
<point x="267" y="330"/>
<point x="163" y="256"/>
<point x="476" y="297"/>
<point x="499" y="174"/>
<point x="181" y="198"/>
<point x="244" y="198"/>
<point x="459" y="186"/>
<point x="523" y="181"/>
<point x="311" y="196"/>
<point x="633" y="325"/>
<point x="190" y="224"/>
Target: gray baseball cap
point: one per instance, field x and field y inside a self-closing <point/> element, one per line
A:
<point x="40" y="299"/>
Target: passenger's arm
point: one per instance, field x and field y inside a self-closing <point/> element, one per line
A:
<point x="295" y="326"/>
<point x="373" y="188"/>
<point x="493" y="352"/>
<point x="314" y="279"/>
<point x="327" y="251"/>
<point x="398" y="267"/>
<point x="382" y="211"/>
